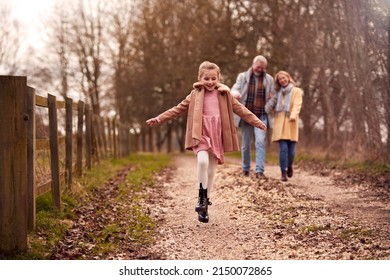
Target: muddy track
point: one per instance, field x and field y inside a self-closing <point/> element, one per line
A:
<point x="103" y="220"/>
<point x="308" y="217"/>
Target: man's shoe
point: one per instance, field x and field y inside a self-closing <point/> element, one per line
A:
<point x="261" y="176"/>
<point x="284" y="177"/>
<point x="289" y="171"/>
<point x="245" y="173"/>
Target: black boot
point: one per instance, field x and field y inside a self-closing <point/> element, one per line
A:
<point x="289" y="171"/>
<point x="202" y="206"/>
<point x="284" y="176"/>
<point x="203" y="216"/>
<point x="202" y="200"/>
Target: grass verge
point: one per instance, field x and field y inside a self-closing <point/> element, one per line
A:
<point x="310" y="159"/>
<point x="51" y="223"/>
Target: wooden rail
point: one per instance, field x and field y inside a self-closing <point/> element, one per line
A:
<point x="96" y="137"/>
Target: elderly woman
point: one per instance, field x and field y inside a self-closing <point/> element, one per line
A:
<point x="286" y="104"/>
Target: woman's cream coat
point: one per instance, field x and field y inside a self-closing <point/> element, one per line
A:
<point x="228" y="105"/>
<point x="283" y="128"/>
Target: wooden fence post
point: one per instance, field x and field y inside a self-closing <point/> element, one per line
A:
<point x="13" y="164"/>
<point x="103" y="133"/>
<point x="120" y="140"/>
<point x="80" y="119"/>
<point x="109" y="136"/>
<point x="68" y="141"/>
<point x="88" y="137"/>
<point x="54" y="156"/>
<point x="31" y="160"/>
<point x="114" y="137"/>
<point x="94" y="138"/>
<point x="98" y="135"/>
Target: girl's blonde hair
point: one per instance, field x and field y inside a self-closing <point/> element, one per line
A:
<point x="207" y="65"/>
<point x="277" y="85"/>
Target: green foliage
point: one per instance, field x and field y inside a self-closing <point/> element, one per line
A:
<point x="108" y="232"/>
<point x="314" y="228"/>
<point x="141" y="226"/>
<point x="233" y="155"/>
<point x="366" y="167"/>
<point x="271" y="156"/>
<point x="356" y="233"/>
<point x="52" y="224"/>
<point x="44" y="203"/>
<point x="145" y="166"/>
<point x="101" y="173"/>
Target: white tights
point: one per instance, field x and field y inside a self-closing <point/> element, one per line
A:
<point x="207" y="165"/>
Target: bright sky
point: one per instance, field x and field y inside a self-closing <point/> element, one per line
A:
<point x="27" y="10"/>
<point x="29" y="13"/>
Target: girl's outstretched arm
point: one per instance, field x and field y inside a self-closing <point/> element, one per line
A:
<point x="152" y="122"/>
<point x="247" y="115"/>
<point x="172" y="113"/>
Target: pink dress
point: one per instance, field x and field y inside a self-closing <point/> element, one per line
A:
<point x="212" y="127"/>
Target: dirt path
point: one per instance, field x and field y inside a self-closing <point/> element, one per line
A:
<point x="356" y="201"/>
<point x="306" y="218"/>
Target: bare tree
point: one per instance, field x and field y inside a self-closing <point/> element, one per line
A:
<point x="10" y="42"/>
<point x="338" y="51"/>
<point x="86" y="44"/>
<point x="122" y="13"/>
<point x="59" y="44"/>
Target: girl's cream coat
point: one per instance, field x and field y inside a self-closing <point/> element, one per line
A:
<point x="228" y="105"/>
<point x="282" y="127"/>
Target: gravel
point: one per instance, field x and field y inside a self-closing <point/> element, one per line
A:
<point x="308" y="217"/>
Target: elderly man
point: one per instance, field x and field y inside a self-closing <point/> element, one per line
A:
<point x="253" y="88"/>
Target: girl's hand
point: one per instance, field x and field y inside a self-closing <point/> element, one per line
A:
<point x="152" y="122"/>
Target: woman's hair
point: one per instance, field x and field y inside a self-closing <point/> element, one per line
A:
<point x="207" y="65"/>
<point x="277" y="85"/>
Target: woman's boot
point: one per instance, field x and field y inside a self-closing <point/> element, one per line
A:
<point x="289" y="171"/>
<point x="284" y="176"/>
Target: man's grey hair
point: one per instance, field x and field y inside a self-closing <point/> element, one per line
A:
<point x="260" y="58"/>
